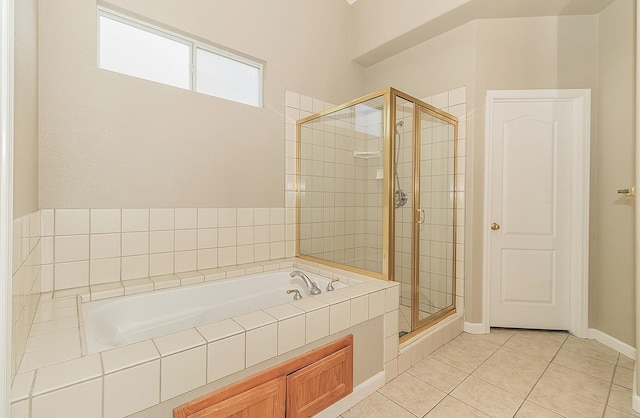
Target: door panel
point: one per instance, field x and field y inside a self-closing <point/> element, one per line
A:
<point x="530" y="200"/>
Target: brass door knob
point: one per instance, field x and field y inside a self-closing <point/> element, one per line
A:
<point x="495" y="226"/>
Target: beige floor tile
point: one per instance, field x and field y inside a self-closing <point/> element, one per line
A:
<point x="620" y="399"/>
<point x="378" y="406"/>
<point x="591" y="348"/>
<point x="561" y="400"/>
<point x="623" y="377"/>
<point x="451" y="407"/>
<point x="478" y="343"/>
<point x="542" y="344"/>
<point x="512" y="371"/>
<point x="412" y="394"/>
<point x="465" y="355"/>
<point x="577" y="382"/>
<point x="531" y="410"/>
<point x="588" y="365"/>
<point x="496" y="335"/>
<point x="614" y="413"/>
<point x="438" y="374"/>
<point x="626" y="362"/>
<point x="487" y="398"/>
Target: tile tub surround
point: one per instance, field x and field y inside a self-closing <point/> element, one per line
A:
<point x="83" y="247"/>
<point x="109" y="384"/>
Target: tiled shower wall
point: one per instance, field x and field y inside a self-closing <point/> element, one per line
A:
<point x="25" y="282"/>
<point x="82" y="247"/>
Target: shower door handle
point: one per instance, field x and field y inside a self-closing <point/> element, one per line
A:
<point x="420" y="216"/>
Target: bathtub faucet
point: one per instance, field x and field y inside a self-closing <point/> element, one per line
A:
<point x="313" y="288"/>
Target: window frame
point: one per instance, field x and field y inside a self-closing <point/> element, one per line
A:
<point x="193" y="45"/>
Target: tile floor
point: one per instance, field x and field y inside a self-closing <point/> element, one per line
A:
<point x="509" y="373"/>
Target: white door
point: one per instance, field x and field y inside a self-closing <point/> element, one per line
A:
<point x="529" y="207"/>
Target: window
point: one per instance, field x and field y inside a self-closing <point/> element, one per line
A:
<point x="140" y="50"/>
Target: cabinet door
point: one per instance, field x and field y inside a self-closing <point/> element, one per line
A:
<point x="320" y="384"/>
<point x="263" y="401"/>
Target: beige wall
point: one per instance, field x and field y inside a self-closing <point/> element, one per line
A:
<point x="108" y="140"/>
<point x="592" y="52"/>
<point x="613" y="274"/>
<point x="25" y="164"/>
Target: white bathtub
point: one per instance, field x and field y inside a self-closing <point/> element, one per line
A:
<point x="124" y="320"/>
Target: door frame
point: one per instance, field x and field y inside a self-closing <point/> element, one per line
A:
<point x="580" y="163"/>
<point x="6" y="198"/>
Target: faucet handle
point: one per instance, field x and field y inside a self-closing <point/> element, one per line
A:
<point x="330" y="285"/>
<point x="296" y="295"/>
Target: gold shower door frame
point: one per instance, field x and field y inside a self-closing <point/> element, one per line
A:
<point x="388" y="213"/>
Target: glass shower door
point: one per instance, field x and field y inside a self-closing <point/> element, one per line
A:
<point x="435" y="203"/>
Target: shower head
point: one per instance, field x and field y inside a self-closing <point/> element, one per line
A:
<point x="400" y="124"/>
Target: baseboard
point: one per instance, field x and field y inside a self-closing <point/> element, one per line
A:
<point x="360" y="392"/>
<point x="475" y="328"/>
<point x="635" y="399"/>
<point x="611" y="342"/>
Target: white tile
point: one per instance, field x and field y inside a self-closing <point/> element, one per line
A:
<point x="220" y="330"/>
<point x="359" y="309"/>
<point x="135" y="243"/>
<point x="261" y="252"/>
<point x="127" y="356"/>
<point x="317" y="324"/>
<point x="254" y="320"/>
<point x="291" y="333"/>
<point x="226" y="256"/>
<point x="185" y="261"/>
<point x="21" y="386"/>
<point x="207" y="218"/>
<point x="53" y="326"/>
<point x="457" y="96"/>
<point x="440" y="100"/>
<point x="47" y="250"/>
<point x="416" y="352"/>
<point x="161" y="241"/>
<point x="66" y="374"/>
<point x="244" y="235"/>
<point x="68" y="275"/>
<point x="390" y="370"/>
<point x="391" y="348"/>
<point x="427" y="345"/>
<point x="185" y="239"/>
<point x="262" y="344"/>
<point x="404" y="359"/>
<point x="227" y="237"/>
<point x="20" y="409"/>
<point x="306" y="103"/>
<point x="339" y="317"/>
<point x="71" y="221"/>
<point x="292" y="99"/>
<point x="82" y="400"/>
<point x="160" y="264"/>
<point x="46" y="222"/>
<point x="105" y="221"/>
<point x="391" y="323"/>
<point x="227" y="217"/>
<point x="244" y="254"/>
<point x="186" y="218"/>
<point x="225" y="357"/>
<point x="135" y="220"/>
<point x="183" y="372"/>
<point x="165" y="281"/>
<point x="309" y="304"/>
<point x="123" y="393"/>
<point x="245" y="217"/>
<point x="261" y="234"/>
<point x="261" y="216"/>
<point x="392" y="298"/>
<point x="46" y="357"/>
<point x="161" y="219"/>
<point x="105" y="246"/>
<point x="46" y="278"/>
<point x="135" y="267"/>
<point x="106" y="270"/>
<point x="277" y="216"/>
<point x="106" y="290"/>
<point x="213" y="274"/>
<point x="207" y="238"/>
<point x="71" y="248"/>
<point x="134" y="286"/>
<point x="284" y="311"/>
<point x="207" y="258"/>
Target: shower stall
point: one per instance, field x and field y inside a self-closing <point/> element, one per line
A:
<point x="377" y="195"/>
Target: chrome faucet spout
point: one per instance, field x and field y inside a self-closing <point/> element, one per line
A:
<point x="313" y="288"/>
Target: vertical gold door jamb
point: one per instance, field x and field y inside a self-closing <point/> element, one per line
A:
<point x="415" y="257"/>
<point x="388" y="214"/>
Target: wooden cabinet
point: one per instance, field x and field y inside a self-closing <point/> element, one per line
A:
<point x="300" y="387"/>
